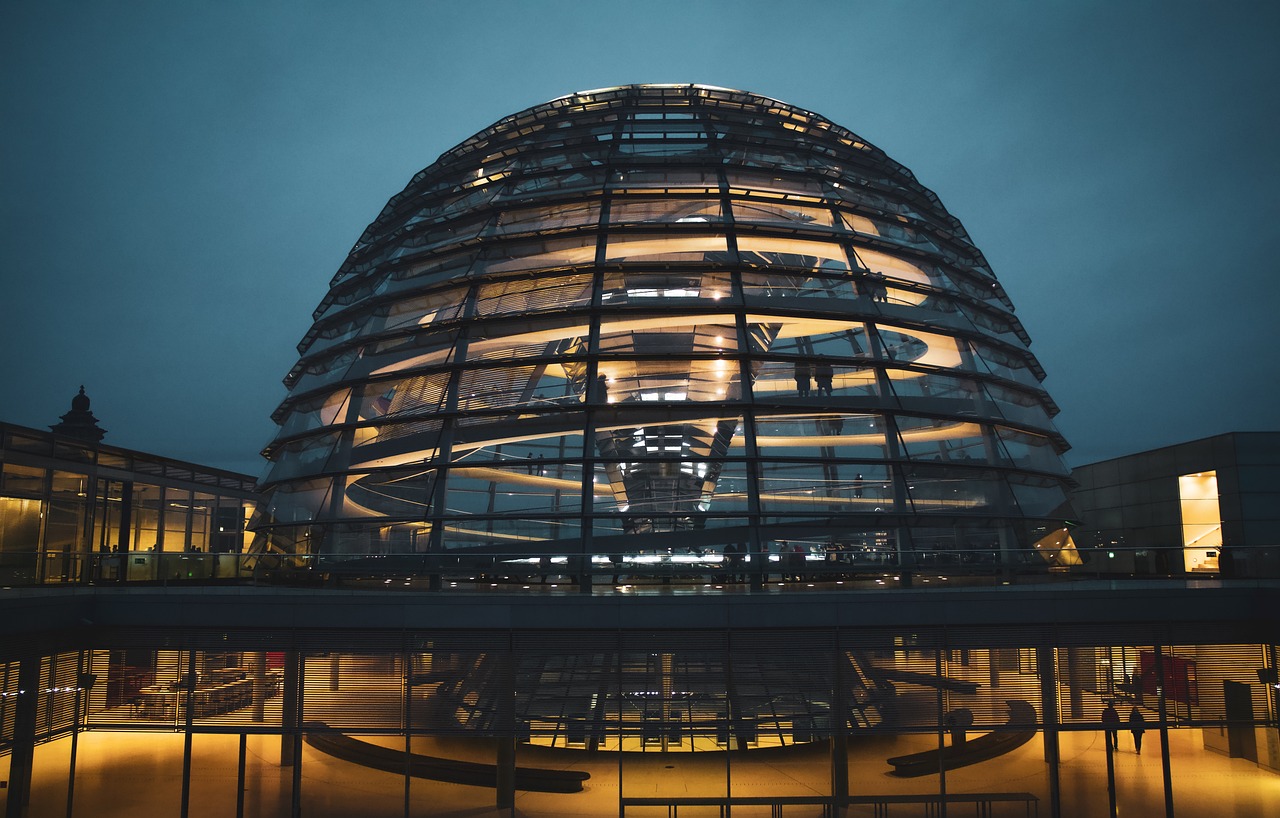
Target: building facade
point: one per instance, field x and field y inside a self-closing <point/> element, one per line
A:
<point x="1204" y="507"/>
<point x="715" y="348"/>
<point x="75" y="510"/>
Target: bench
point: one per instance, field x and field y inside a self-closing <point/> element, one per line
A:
<point x="926" y="680"/>
<point x="530" y="779"/>
<point x="984" y="747"/>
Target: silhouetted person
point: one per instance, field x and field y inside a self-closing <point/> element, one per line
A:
<point x="862" y="285"/>
<point x="733" y="555"/>
<point x="1137" y="726"/>
<point x="803" y="379"/>
<point x="1111" y="724"/>
<point x="796" y="560"/>
<point x="879" y="290"/>
<point x="822" y="376"/>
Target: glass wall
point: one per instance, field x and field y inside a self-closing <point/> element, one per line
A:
<point x="76" y="512"/>
<point x="558" y="722"/>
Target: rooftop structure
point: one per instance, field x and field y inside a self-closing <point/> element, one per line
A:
<point x="667" y="320"/>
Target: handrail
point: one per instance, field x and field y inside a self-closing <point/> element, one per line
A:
<point x="707" y="568"/>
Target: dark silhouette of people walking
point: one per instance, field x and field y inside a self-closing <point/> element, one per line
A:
<point x="879" y="287"/>
<point x="823" y="373"/>
<point x="733" y="560"/>
<point x="796" y="561"/>
<point x="803" y="379"/>
<point x="1111" y="723"/>
<point x="1137" y="726"/>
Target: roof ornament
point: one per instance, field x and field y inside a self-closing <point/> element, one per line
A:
<point x="80" y="422"/>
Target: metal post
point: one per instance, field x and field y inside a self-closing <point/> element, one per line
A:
<point x="240" y="775"/>
<point x="506" y="730"/>
<point x="1111" y="773"/>
<point x="82" y="682"/>
<point x="1164" y="733"/>
<point x="406" y="674"/>
<point x="186" y="742"/>
<point x="839" y="737"/>
<point x="21" y="757"/>
<point x="1049" y="703"/>
<point x="942" y="736"/>
<point x="1273" y="690"/>
<point x="289" y="707"/>
<point x="296" y="718"/>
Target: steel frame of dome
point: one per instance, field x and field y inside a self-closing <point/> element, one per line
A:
<point x="728" y="323"/>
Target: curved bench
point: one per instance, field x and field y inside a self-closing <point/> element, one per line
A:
<point x="926" y="680"/>
<point x="476" y="774"/>
<point x="982" y="748"/>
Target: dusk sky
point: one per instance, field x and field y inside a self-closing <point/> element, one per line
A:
<point x="180" y="180"/>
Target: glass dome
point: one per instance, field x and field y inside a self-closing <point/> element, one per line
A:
<point x="665" y="323"/>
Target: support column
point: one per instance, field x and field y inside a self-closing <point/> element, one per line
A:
<point x="294" y="658"/>
<point x="506" y="731"/>
<point x="189" y="697"/>
<point x="940" y="716"/>
<point x="258" y="674"/>
<point x="1164" y="733"/>
<point x="839" y="734"/>
<point x="1049" y="705"/>
<point x="406" y="718"/>
<point x="84" y="683"/>
<point x="289" y="706"/>
<point x="1077" y="681"/>
<point x="24" y="730"/>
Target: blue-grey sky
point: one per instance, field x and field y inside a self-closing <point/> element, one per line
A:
<point x="179" y="181"/>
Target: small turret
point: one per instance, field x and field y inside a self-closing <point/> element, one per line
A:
<point x="80" y="422"/>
